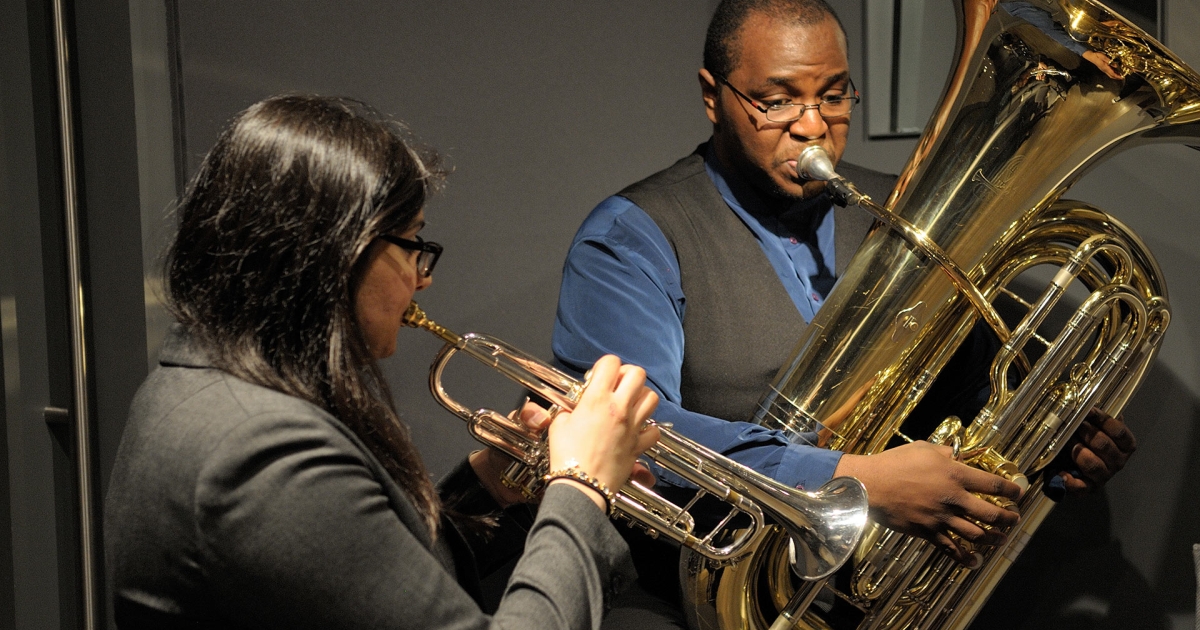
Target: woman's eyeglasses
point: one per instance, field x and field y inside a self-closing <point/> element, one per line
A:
<point x="428" y="256"/>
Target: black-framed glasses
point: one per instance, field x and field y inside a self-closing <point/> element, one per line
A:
<point x="829" y="107"/>
<point x="428" y="252"/>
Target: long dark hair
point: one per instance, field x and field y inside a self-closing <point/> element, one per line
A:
<point x="263" y="270"/>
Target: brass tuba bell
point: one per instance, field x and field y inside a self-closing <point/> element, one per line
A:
<point x="977" y="205"/>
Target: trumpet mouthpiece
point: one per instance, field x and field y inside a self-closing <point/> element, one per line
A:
<point x="413" y="316"/>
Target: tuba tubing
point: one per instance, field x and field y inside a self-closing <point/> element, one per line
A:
<point x="824" y="525"/>
<point x="979" y="203"/>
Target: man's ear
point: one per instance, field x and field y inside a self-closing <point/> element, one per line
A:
<point x="708" y="92"/>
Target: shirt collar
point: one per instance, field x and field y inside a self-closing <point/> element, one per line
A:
<point x="181" y="349"/>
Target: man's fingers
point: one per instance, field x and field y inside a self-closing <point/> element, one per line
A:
<point x="954" y="550"/>
<point x="1074" y="484"/>
<point x="977" y="480"/>
<point x="988" y="513"/>
<point x="1115" y="429"/>
<point x="1091" y="465"/>
<point x="1103" y="446"/>
<point x="970" y="531"/>
<point x="944" y="450"/>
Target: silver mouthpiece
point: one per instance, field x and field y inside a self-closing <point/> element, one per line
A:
<point x="814" y="164"/>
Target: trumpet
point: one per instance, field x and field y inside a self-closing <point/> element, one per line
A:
<point x="824" y="526"/>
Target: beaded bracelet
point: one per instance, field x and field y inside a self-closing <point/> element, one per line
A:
<point x="572" y="471"/>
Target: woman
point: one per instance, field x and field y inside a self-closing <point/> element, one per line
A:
<point x="264" y="478"/>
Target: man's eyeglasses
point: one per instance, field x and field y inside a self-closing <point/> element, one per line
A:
<point x="426" y="259"/>
<point x="829" y="107"/>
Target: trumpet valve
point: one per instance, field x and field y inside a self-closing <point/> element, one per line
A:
<point x="525" y="479"/>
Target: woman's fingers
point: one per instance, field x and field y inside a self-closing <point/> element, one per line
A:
<point x="607" y="429"/>
<point x="644" y="406"/>
<point x="604" y="373"/>
<point x="646" y="438"/>
<point x="534" y="417"/>
<point x="629" y="393"/>
<point x="642" y="474"/>
<point x="631" y="378"/>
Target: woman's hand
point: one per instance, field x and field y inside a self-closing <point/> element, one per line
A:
<point x="489" y="464"/>
<point x="607" y="431"/>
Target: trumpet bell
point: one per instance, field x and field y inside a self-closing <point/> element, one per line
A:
<point x="822" y="544"/>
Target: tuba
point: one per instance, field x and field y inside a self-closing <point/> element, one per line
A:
<point x="822" y="527"/>
<point x="977" y="207"/>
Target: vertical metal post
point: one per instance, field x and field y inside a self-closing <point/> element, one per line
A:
<point x="76" y="314"/>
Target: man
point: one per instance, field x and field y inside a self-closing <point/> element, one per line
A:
<point x="706" y="272"/>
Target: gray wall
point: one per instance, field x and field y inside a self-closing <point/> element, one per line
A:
<point x="542" y="109"/>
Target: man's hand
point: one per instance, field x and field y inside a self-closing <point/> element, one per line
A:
<point x="1099" y="449"/>
<point x="919" y="489"/>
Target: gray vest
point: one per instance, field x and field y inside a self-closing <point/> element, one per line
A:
<point x="739" y="322"/>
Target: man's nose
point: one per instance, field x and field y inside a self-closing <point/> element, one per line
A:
<point x="810" y="125"/>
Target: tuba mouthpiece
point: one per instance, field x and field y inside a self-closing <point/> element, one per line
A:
<point x="814" y="164"/>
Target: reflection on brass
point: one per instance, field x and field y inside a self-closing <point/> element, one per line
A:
<point x="1136" y="54"/>
<point x="1022" y="118"/>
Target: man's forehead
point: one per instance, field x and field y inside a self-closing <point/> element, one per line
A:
<point x="828" y="78"/>
<point x="776" y="49"/>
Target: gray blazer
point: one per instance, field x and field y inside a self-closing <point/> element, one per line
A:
<point x="236" y="506"/>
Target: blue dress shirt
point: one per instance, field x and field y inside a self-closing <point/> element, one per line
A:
<point x="621" y="295"/>
<point x="1041" y="19"/>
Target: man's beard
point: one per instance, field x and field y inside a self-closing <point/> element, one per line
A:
<point x="775" y="193"/>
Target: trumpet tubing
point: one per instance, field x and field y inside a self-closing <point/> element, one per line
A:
<point x="823" y="526"/>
